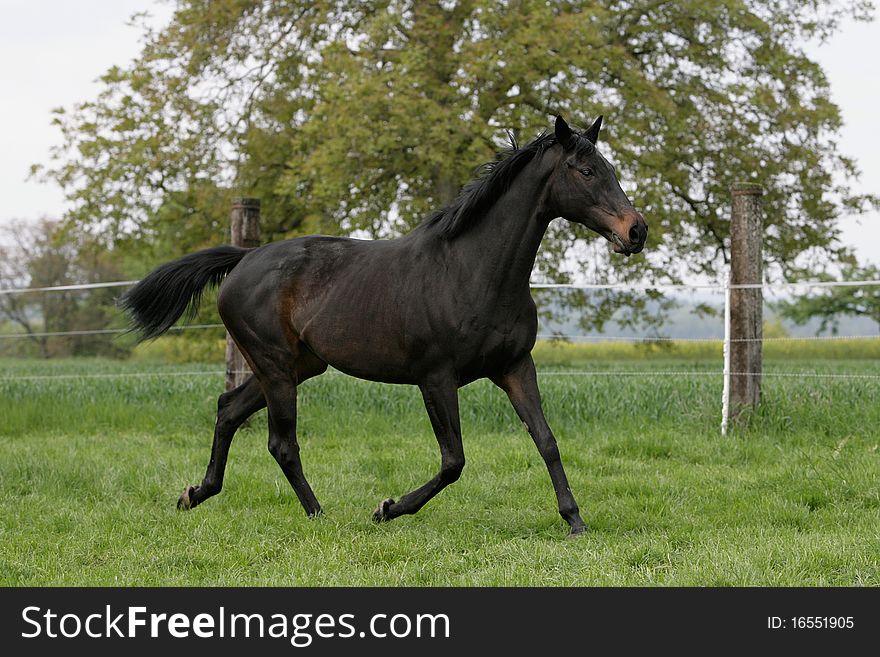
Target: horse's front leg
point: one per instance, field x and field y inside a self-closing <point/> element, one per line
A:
<point x="521" y="386"/>
<point x="441" y="402"/>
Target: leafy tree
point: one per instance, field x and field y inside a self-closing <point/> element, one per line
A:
<point x="29" y="258"/>
<point x="350" y="116"/>
<point x="41" y="254"/>
<point x="830" y="304"/>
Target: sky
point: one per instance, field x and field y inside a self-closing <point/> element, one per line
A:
<point x="52" y="52"/>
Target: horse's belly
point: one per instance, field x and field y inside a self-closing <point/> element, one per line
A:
<point x="410" y="342"/>
<point x="497" y="353"/>
<point x="363" y="354"/>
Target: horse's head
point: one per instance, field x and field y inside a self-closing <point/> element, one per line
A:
<point x="585" y="190"/>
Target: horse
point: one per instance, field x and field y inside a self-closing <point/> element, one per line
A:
<point x="439" y="307"/>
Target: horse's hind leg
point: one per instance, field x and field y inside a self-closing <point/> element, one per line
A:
<point x="279" y="384"/>
<point x="233" y="408"/>
<point x="284" y="446"/>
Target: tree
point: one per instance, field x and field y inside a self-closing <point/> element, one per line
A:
<point x="831" y="303"/>
<point x="361" y="116"/>
<point x="41" y="255"/>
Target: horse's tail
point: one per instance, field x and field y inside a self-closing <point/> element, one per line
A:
<point x="163" y="295"/>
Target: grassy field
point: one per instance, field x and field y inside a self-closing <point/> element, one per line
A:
<point x="90" y="470"/>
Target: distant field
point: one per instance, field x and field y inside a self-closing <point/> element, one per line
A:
<point x="209" y="347"/>
<point x="775" y="351"/>
<point x="90" y="470"/>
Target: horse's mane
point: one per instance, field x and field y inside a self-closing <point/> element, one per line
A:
<point x="491" y="181"/>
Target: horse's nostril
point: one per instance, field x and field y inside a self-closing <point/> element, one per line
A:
<point x="634" y="233"/>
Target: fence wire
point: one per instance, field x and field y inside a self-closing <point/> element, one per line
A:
<point x="576" y="337"/>
<point x="543" y="336"/>
<point x="534" y="286"/>
<point x="573" y="373"/>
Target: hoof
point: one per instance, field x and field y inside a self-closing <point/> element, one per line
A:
<point x="383" y="511"/>
<point x="184" y="502"/>
<point x="577" y="532"/>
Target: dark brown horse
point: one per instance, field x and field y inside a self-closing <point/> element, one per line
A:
<point x="445" y="305"/>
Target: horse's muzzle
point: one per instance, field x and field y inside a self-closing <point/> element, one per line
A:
<point x="634" y="234"/>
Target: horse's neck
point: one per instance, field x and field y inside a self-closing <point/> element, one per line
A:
<point x="501" y="248"/>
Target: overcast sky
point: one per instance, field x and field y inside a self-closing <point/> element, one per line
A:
<point x="51" y="52"/>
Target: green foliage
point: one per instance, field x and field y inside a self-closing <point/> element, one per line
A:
<point x="346" y="116"/>
<point x="90" y="471"/>
<point x="208" y="346"/>
<point x="44" y="254"/>
<point x="831" y="303"/>
<point x="774" y="329"/>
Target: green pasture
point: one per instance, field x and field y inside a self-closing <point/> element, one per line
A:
<point x="91" y="467"/>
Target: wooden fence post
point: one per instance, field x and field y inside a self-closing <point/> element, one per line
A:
<point x="245" y="229"/>
<point x="746" y="305"/>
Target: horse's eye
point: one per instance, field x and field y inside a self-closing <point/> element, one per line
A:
<point x="587" y="172"/>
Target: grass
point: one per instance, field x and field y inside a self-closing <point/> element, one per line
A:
<point x="90" y="471"/>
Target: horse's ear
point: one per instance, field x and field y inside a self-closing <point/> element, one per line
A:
<point x="592" y="133"/>
<point x="563" y="133"/>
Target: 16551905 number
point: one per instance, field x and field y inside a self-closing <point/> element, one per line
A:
<point x="821" y="622"/>
<point x="810" y="622"/>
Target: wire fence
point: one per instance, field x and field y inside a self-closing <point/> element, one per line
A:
<point x="543" y="336"/>
<point x="546" y="373"/>
<point x="719" y="340"/>
<point x="660" y="287"/>
<point x="576" y="337"/>
<point x="119" y="331"/>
